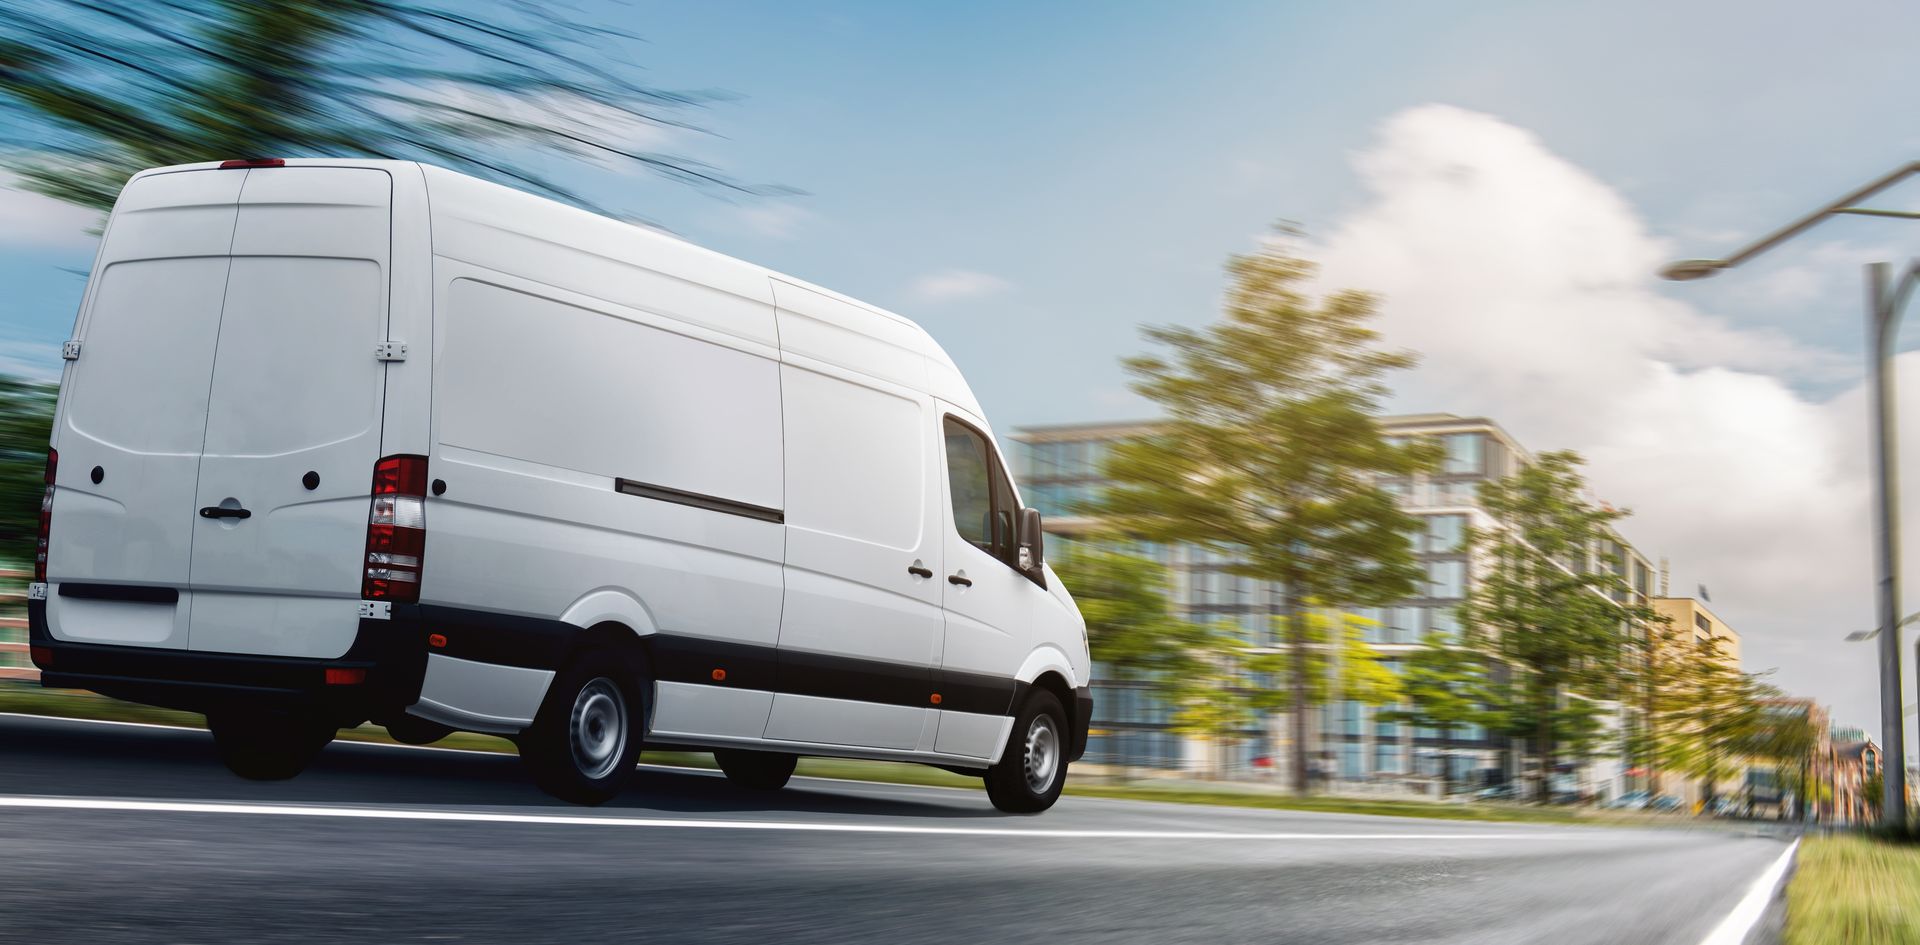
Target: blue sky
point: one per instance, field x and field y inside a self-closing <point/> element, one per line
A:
<point x="1033" y="181"/>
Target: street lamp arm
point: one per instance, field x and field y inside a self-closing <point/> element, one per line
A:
<point x="1696" y="268"/>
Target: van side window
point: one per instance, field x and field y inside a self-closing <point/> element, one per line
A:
<point x="983" y="503"/>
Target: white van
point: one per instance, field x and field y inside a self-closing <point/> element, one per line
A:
<point x="343" y="441"/>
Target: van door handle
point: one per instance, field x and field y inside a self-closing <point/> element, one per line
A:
<point x="960" y="579"/>
<point x="214" y="511"/>
<point x="918" y="570"/>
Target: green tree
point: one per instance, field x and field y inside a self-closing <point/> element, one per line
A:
<point x="1271" y="451"/>
<point x="1713" y="714"/>
<point x="1444" y="686"/>
<point x="94" y="90"/>
<point x="1545" y="610"/>
<point x="1220" y="698"/>
<point x="1214" y="700"/>
<point x="1786" y="738"/>
<point x="1131" y="627"/>
<point x="26" y="425"/>
<point x="1339" y="663"/>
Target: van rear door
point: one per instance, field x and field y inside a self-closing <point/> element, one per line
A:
<point x="133" y="413"/>
<point x="293" y="416"/>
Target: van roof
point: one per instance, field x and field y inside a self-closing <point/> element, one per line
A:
<point x="537" y="206"/>
<point x="586" y="225"/>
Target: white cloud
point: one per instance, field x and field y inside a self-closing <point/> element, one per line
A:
<point x="29" y="219"/>
<point x="1528" y="286"/>
<point x="952" y="285"/>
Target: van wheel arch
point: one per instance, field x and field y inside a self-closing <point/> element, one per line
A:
<point x="1057" y="684"/>
<point x="619" y="638"/>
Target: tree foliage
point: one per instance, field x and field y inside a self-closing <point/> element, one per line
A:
<point x="1445" y="687"/>
<point x="1225" y="694"/>
<point x="93" y="90"/>
<point x="26" y="426"/>
<point x="1131" y="627"/>
<point x="1271" y="451"/>
<point x="1547" y="610"/>
<point x="1700" y="716"/>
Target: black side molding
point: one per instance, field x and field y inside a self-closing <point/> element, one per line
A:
<point x="132" y="592"/>
<point x="711" y="503"/>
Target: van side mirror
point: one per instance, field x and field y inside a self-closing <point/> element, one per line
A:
<point x="1032" y="541"/>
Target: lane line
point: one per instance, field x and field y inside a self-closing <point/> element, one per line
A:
<point x="491" y="817"/>
<point x="1733" y="929"/>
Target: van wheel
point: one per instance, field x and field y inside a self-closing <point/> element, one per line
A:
<point x="267" y="746"/>
<point x="585" y="741"/>
<point x="756" y="770"/>
<point x="1033" y="766"/>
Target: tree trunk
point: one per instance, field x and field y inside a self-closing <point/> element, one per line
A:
<point x="1544" y="735"/>
<point x="1297" y="687"/>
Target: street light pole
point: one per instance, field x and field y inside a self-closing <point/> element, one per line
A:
<point x="1885" y="299"/>
<point x="1883" y="306"/>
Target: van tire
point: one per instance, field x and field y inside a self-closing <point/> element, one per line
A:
<point x="756" y="770"/>
<point x="585" y="741"/>
<point x="267" y="746"/>
<point x="1033" y="765"/>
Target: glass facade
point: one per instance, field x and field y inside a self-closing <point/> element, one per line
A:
<point x="1059" y="469"/>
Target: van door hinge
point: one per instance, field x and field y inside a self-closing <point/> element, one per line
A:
<point x="376" y="609"/>
<point x="390" y="351"/>
<point x="70" y="351"/>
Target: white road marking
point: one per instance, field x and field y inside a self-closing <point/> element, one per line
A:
<point x="1733" y="929"/>
<point x="491" y="817"/>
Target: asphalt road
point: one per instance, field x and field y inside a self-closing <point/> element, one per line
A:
<point x="141" y="836"/>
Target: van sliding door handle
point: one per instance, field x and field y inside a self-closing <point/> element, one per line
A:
<point x="214" y="511"/>
<point x="919" y="571"/>
<point x="960" y="579"/>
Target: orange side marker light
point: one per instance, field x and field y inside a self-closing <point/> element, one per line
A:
<point x="436" y="640"/>
<point x="719" y="675"/>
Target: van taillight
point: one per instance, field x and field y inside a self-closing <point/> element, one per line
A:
<point x="396" y="530"/>
<point x="46" y="518"/>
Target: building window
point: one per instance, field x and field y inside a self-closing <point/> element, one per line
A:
<point x="1343" y="718"/>
<point x="1447" y="579"/>
<point x="1352" y="764"/>
<point x="1388" y="759"/>
<point x="1706" y="626"/>
<point x="1443" y="620"/>
<point x="1464" y="454"/>
<point x="1402" y="625"/>
<point x="1445" y="533"/>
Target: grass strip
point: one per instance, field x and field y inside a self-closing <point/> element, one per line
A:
<point x="1850" y="889"/>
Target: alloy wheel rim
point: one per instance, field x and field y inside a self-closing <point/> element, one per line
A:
<point x="1043" y="754"/>
<point x="597" y="730"/>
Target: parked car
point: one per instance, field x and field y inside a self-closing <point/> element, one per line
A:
<point x="343" y="440"/>
<point x="1498" y="792"/>
<point x="1665" y="802"/>
<point x="1632" y="800"/>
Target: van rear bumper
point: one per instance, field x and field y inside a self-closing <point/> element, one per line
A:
<point x="392" y="655"/>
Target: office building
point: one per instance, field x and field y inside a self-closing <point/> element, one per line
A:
<point x="1059" y="468"/>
